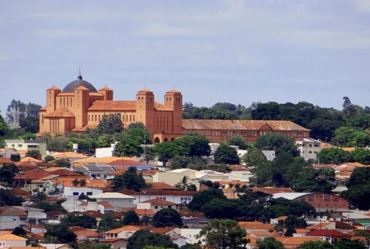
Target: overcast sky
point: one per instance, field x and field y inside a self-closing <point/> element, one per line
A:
<point x="213" y="51"/>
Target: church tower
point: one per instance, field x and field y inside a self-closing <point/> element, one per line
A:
<point x="145" y="109"/>
<point x="173" y="101"/>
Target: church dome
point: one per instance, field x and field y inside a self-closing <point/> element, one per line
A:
<point x="77" y="83"/>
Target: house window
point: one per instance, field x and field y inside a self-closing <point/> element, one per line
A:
<point x="88" y="193"/>
<point x="75" y="194"/>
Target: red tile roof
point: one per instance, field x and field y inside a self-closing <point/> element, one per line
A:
<point x="33" y="174"/>
<point x="214" y="124"/>
<point x="113" y="105"/>
<point x="158" y="192"/>
<point x="161" y="185"/>
<point x="158" y="201"/>
<point x="327" y="233"/>
<point x="62" y="112"/>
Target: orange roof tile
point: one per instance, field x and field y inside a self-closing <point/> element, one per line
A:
<point x="10" y="236"/>
<point x="104" y="160"/>
<point x="215" y="124"/>
<point x="113" y="105"/>
<point x="90" y="183"/>
<point x="128" y="228"/>
<point x="295" y="241"/>
<point x="62" y="112"/>
<point x="33" y="174"/>
<point x="30" y="159"/>
<point x="158" y="201"/>
<point x="255" y="225"/>
<point x="68" y="154"/>
<point x="161" y="185"/>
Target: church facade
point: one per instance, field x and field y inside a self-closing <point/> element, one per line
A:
<point x="79" y="106"/>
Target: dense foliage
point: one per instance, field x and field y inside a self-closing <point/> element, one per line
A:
<point x="359" y="188"/>
<point x="143" y="238"/>
<point x="129" y="180"/>
<point x="167" y="217"/>
<point x="222" y="234"/>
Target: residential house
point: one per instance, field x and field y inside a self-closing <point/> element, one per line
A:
<point x="328" y="235"/>
<point x="294" y="242"/>
<point x="118" y="201"/>
<point x="175" y="196"/>
<point x="9" y="240"/>
<point x="74" y="186"/>
<point x="96" y="171"/>
<point x="27" y="145"/>
<point x="322" y="202"/>
<point x="24" y="179"/>
<point x="308" y="148"/>
<point x="157" y="204"/>
<point x="124" y="232"/>
<point x="11" y="218"/>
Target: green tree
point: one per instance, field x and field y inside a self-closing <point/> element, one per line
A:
<point x="59" y="234"/>
<point x="191" y="246"/>
<point x="358" y="186"/>
<point x="334" y="155"/>
<point x="49" y="158"/>
<point x="361" y="155"/>
<point x="79" y="220"/>
<point x="193" y="146"/>
<point x="107" y="222"/>
<point x="143" y="238"/>
<point x="4" y="129"/>
<point x="110" y="124"/>
<point x="269" y="243"/>
<point x="129" y="180"/>
<point x="221" y="209"/>
<point x="167" y="217"/>
<point x="34" y="154"/>
<point x="8" y="199"/>
<point x="277" y="142"/>
<point x="316" y="245"/>
<point x="63" y="162"/>
<point x="254" y="157"/>
<point x="349" y="244"/>
<point x="238" y="141"/>
<point x="30" y="124"/>
<point x="226" y="154"/>
<point x="315" y="180"/>
<point x="224" y="234"/>
<point x="202" y="198"/>
<point x="19" y="231"/>
<point x="93" y="245"/>
<point x="130" y="218"/>
<point x="166" y="151"/>
<point x="129" y="147"/>
<point x="7" y="172"/>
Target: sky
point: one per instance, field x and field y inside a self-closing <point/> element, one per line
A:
<point x="239" y="51"/>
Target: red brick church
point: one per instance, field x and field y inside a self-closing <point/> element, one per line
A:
<point x="80" y="106"/>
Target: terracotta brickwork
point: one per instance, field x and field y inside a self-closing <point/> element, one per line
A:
<point x="79" y="106"/>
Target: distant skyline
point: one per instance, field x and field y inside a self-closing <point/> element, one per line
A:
<point x="212" y="50"/>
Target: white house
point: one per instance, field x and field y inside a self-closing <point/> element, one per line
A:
<point x="11" y="218"/>
<point x="308" y="148"/>
<point x="9" y="240"/>
<point x="75" y="205"/>
<point x="191" y="235"/>
<point x="124" y="232"/>
<point x="175" y="196"/>
<point x="157" y="205"/>
<point x="118" y="201"/>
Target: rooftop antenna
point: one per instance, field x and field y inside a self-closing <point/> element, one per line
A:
<point x="79" y="74"/>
